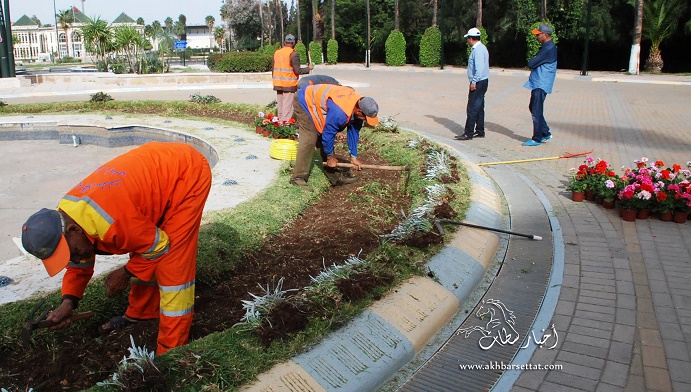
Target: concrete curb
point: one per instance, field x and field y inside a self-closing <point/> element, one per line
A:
<point x="379" y="342"/>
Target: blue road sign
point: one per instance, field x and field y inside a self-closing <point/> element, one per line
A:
<point x="180" y="44"/>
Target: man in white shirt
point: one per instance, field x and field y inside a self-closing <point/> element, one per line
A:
<point x="478" y="75"/>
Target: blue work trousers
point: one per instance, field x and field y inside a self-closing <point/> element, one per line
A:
<point x="537" y="106"/>
<point x="475" y="120"/>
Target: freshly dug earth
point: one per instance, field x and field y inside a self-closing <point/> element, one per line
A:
<point x="328" y="232"/>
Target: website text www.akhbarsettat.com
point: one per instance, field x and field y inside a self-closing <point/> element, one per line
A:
<point x="500" y="365"/>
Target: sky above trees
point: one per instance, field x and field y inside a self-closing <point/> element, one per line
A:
<point x="195" y="11"/>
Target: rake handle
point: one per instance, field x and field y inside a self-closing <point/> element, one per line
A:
<point x="376" y="167"/>
<point x="74" y="317"/>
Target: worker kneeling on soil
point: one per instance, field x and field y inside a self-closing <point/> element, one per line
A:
<point x="323" y="110"/>
<point x="147" y="202"/>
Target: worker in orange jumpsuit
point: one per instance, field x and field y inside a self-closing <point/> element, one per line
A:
<point x="148" y="203"/>
<point x="285" y="73"/>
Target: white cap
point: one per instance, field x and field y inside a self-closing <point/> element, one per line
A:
<point x="474" y="32"/>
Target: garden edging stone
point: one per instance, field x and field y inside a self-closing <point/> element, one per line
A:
<point x="374" y="346"/>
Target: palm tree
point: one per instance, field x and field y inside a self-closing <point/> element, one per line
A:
<point x="129" y="41"/>
<point x="169" y="24"/>
<point x="140" y="21"/>
<point x="210" y="22"/>
<point x="218" y="35"/>
<point x="181" y="27"/>
<point x="98" y="37"/>
<point x="660" y="22"/>
<point x="635" y="58"/>
<point x="65" y="19"/>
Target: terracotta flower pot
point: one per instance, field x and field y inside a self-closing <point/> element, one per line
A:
<point x="629" y="215"/>
<point x="589" y="195"/>
<point x="599" y="199"/>
<point x="666" y="217"/>
<point x="679" y="217"/>
<point x="608" y="204"/>
<point x="266" y="133"/>
<point x="577" y="196"/>
<point x="643" y="213"/>
<point x="259" y="129"/>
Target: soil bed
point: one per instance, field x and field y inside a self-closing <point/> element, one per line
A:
<point x="328" y="232"/>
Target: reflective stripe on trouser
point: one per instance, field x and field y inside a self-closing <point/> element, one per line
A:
<point x="308" y="140"/>
<point x="175" y="271"/>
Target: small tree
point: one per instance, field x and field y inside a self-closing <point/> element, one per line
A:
<point x="430" y="47"/>
<point x="315" y="49"/>
<point x="395" y="49"/>
<point x="332" y="51"/>
<point x="660" y="21"/>
<point x="302" y="50"/>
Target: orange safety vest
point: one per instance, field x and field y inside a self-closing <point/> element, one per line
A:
<point x="316" y="97"/>
<point x="283" y="74"/>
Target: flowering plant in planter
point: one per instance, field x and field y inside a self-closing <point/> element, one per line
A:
<point x="609" y="189"/>
<point x="284" y="129"/>
<point x="682" y="196"/>
<point x="577" y="181"/>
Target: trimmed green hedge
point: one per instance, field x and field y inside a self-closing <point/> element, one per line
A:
<point x="430" y="47"/>
<point x="395" y="49"/>
<point x="302" y="50"/>
<point x="316" y="52"/>
<point x="332" y="51"/>
<point x="212" y="59"/>
<point x="244" y="62"/>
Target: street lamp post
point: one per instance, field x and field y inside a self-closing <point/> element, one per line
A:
<point x="584" y="67"/>
<point x="57" y="36"/>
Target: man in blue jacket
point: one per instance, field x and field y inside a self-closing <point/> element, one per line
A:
<point x="543" y="70"/>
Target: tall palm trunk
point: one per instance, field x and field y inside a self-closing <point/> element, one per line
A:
<point x="434" y="12"/>
<point x="280" y="16"/>
<point x="261" y="22"/>
<point x="315" y="16"/>
<point x="297" y="4"/>
<point x="635" y="59"/>
<point x="478" y="14"/>
<point x="270" y="20"/>
<point x="396" y="23"/>
<point x="333" y="19"/>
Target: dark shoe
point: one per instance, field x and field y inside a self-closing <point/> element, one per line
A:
<point x="479" y="135"/>
<point x="117" y="323"/>
<point x="346" y="180"/>
<point x="302" y="184"/>
<point x="463" y="137"/>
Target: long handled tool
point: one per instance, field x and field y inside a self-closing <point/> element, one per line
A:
<point x="566" y="155"/>
<point x="36" y="322"/>
<point x="438" y="223"/>
<point x="380" y="167"/>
